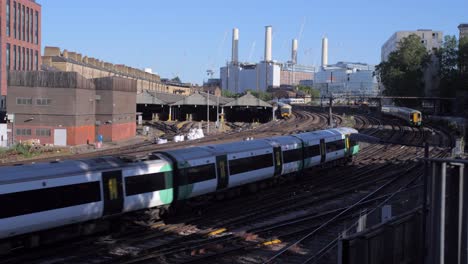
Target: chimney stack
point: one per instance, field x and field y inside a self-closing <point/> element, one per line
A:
<point x="268" y="43"/>
<point x="324" y="52"/>
<point x="235" y="46"/>
<point x="294" y="51"/>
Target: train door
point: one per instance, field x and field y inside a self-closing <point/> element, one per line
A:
<point x="415" y="118"/>
<point x="222" y="171"/>
<point x="323" y="151"/>
<point x="113" y="192"/>
<point x="347" y="146"/>
<point x="278" y="160"/>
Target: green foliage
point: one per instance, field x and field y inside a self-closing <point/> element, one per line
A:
<point x="402" y="73"/>
<point x="227" y="93"/>
<point x="453" y="61"/>
<point x="265" y="96"/>
<point x="463" y="63"/>
<point x="314" y="93"/>
<point x="448" y="71"/>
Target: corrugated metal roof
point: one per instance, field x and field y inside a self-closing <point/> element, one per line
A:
<point x="147" y="98"/>
<point x="222" y="100"/>
<point x="166" y="97"/>
<point x="248" y="100"/>
<point x="196" y="99"/>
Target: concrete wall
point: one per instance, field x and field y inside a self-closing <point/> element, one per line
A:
<point x="75" y="108"/>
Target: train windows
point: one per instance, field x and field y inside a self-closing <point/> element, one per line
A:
<point x="312" y="151"/>
<point x="28" y="202"/>
<point x="292" y="155"/>
<point x="335" y="145"/>
<point x="200" y="173"/>
<point x="146" y="183"/>
<point x="250" y="163"/>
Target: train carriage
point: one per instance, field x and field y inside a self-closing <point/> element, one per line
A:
<point x="247" y="161"/>
<point x="47" y="195"/>
<point x="291" y="157"/>
<point x="411" y="116"/>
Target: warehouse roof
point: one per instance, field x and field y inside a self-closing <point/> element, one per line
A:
<point x="248" y="100"/>
<point x="196" y="99"/>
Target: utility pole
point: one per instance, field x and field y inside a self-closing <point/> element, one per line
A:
<point x="330" y="114"/>
<point x="207" y="113"/>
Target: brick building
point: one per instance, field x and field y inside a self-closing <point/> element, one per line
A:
<point x="20" y="40"/>
<point x="89" y="67"/>
<point x="64" y="108"/>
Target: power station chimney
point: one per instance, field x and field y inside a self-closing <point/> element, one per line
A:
<point x="324" y="52"/>
<point x="235" y="46"/>
<point x="294" y="51"/>
<point x="268" y="43"/>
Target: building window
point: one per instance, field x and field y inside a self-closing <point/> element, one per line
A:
<point x="27" y="24"/>
<point x="8" y="56"/>
<point x="19" y="21"/>
<point x="8" y="18"/>
<point x="14" y="19"/>
<point x="23" y="101"/>
<point x="31" y="27"/>
<point x="27" y="60"/>
<point x="31" y="65"/>
<point x="23" y="131"/>
<point x="42" y="132"/>
<point x="24" y="60"/>
<point x="43" y="101"/>
<point x="14" y="57"/>
<point x="36" y="37"/>
<point x="19" y="58"/>
<point x="23" y="19"/>
<point x="36" y="61"/>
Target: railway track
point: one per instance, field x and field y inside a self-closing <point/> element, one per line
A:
<point x="292" y="221"/>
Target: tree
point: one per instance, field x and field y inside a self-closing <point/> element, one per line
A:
<point x="402" y="74"/>
<point x="448" y="56"/>
<point x="463" y="63"/>
<point x="227" y="93"/>
<point x="265" y="96"/>
<point x="314" y="93"/>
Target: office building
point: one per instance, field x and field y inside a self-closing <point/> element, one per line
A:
<point x="20" y="41"/>
<point x="432" y="40"/>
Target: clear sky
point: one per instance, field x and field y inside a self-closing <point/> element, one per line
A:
<point x="187" y="37"/>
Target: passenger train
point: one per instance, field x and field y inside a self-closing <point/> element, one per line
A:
<point x="292" y="100"/>
<point x="285" y="110"/>
<point x="47" y="195"/>
<point x="413" y="117"/>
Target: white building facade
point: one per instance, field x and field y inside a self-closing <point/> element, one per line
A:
<point x="432" y="40"/>
<point x="341" y="79"/>
<point x="255" y="77"/>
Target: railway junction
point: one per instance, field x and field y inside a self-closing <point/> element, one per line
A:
<point x="364" y="212"/>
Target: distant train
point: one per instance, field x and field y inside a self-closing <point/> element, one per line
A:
<point x="413" y="117"/>
<point x="47" y="195"/>
<point x="285" y="110"/>
<point x="292" y="100"/>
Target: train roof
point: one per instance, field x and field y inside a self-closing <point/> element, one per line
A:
<point x="319" y="134"/>
<point x="402" y="109"/>
<point x="66" y="168"/>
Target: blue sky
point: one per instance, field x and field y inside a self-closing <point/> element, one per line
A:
<point x="187" y="37"/>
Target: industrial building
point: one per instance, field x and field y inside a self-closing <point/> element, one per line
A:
<point x="238" y="77"/>
<point x="346" y="78"/>
<point x="55" y="59"/>
<point x="20" y="41"/>
<point x="66" y="109"/>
